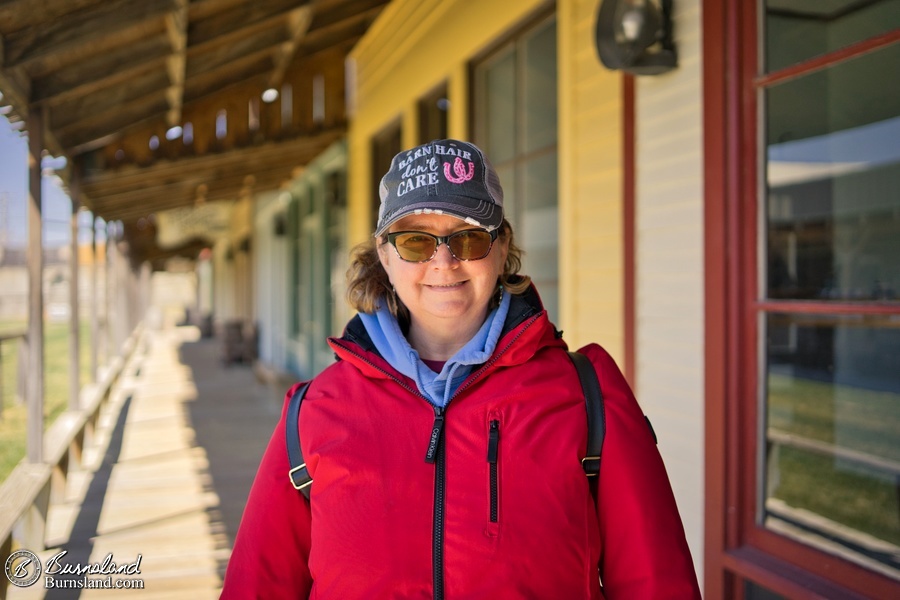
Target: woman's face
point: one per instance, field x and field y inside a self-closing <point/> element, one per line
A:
<point x="444" y="290"/>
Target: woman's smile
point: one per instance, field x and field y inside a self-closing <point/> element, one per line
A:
<point x="445" y="296"/>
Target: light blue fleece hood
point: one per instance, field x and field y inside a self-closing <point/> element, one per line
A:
<point x="386" y="335"/>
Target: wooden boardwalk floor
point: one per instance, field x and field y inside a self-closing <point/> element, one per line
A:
<point x="167" y="473"/>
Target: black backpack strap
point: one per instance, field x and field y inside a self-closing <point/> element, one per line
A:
<point x="596" y="417"/>
<point x="299" y="474"/>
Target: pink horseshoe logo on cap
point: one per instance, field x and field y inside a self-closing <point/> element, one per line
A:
<point x="460" y="169"/>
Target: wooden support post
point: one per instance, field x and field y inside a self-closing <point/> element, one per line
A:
<point x="35" y="519"/>
<point x="123" y="296"/>
<point x="74" y="307"/>
<point x="35" y="387"/>
<point x="145" y="291"/>
<point x="95" y="297"/>
<point x="22" y="371"/>
<point x="109" y="282"/>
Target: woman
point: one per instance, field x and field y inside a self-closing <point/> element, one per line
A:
<point x="445" y="443"/>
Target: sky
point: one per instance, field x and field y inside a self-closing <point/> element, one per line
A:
<point x="14" y="195"/>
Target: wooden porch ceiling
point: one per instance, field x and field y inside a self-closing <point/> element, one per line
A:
<point x="110" y="75"/>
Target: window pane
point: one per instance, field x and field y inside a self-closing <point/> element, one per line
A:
<point x="797" y="30"/>
<point x="539" y="228"/>
<point x="539" y="98"/>
<point x="833" y="172"/>
<point x="499" y="79"/>
<point x="755" y="592"/>
<point x="832" y="453"/>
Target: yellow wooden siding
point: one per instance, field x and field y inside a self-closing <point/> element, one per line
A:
<point x="590" y="185"/>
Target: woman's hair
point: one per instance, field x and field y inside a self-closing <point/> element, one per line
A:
<point x="368" y="283"/>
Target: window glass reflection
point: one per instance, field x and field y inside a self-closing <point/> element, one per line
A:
<point x="832" y="173"/>
<point x="797" y="30"/>
<point x="832" y="453"/>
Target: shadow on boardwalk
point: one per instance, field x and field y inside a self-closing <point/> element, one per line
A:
<point x="233" y="419"/>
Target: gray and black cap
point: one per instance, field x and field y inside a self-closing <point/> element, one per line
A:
<point x="449" y="177"/>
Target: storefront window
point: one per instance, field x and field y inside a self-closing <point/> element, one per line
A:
<point x="829" y="332"/>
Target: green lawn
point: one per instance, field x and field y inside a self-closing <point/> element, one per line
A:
<point x="56" y="386"/>
<point x="868" y="421"/>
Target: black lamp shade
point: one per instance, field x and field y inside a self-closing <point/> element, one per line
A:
<point x="636" y="36"/>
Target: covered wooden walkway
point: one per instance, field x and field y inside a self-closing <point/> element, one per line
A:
<point x="168" y="471"/>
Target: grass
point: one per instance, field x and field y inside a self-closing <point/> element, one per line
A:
<point x="854" y="418"/>
<point x="819" y="484"/>
<point x="13" y="423"/>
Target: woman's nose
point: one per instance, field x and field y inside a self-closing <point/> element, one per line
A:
<point x="443" y="258"/>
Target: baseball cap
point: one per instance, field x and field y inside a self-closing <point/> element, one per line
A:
<point x="449" y="177"/>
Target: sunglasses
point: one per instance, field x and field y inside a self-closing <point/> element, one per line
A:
<point x="419" y="247"/>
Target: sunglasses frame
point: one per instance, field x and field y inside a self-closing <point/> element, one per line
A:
<point x="391" y="238"/>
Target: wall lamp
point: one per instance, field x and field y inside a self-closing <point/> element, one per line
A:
<point x="635" y="36"/>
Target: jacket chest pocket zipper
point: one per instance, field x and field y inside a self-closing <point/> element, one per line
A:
<point x="494" y="484"/>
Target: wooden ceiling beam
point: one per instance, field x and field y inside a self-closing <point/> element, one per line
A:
<point x="16" y="88"/>
<point x="338" y="32"/>
<point x="244" y="70"/>
<point x="101" y="107"/>
<point x="203" y="9"/>
<point x="243" y="19"/>
<point x="134" y="177"/>
<point x="102" y="72"/>
<point x="134" y="207"/>
<point x="176" y="28"/>
<point x="19" y="14"/>
<point x="299" y="21"/>
<point x="342" y="11"/>
<point x="244" y="50"/>
<point x="102" y="124"/>
<point x="213" y="182"/>
<point x="56" y="45"/>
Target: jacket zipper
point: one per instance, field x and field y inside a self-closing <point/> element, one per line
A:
<point x="440" y="473"/>
<point x="493" y="447"/>
<point x="435" y="454"/>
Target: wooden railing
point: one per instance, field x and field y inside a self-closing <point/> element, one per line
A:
<point x="26" y="492"/>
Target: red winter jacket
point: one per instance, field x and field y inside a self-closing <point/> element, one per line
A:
<point x="384" y="523"/>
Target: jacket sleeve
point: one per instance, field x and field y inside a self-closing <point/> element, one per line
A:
<point x="271" y="549"/>
<point x="644" y="552"/>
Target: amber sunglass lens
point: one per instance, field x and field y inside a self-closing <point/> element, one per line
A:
<point x="470" y="245"/>
<point x="415" y="247"/>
